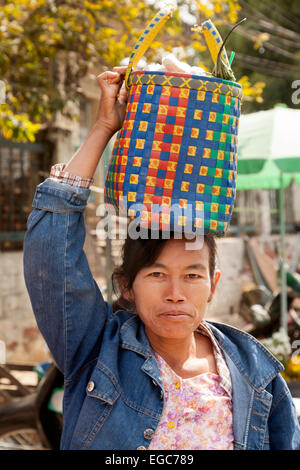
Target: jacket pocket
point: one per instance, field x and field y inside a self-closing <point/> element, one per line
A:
<point x="101" y="395"/>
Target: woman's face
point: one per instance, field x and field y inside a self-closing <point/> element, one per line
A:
<point x="171" y="295"/>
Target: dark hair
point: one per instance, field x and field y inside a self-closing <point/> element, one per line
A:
<point x="137" y="254"/>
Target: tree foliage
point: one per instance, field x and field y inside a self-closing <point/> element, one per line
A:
<point x="99" y="34"/>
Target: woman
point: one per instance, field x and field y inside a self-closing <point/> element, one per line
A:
<point x="153" y="374"/>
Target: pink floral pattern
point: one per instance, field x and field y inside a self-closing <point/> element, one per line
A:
<point x="197" y="414"/>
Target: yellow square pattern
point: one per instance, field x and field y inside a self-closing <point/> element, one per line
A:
<point x="201" y="95"/>
<point x="132" y="107"/>
<point x="182" y="220"/>
<point x="184" y="93"/>
<point x="183" y="203"/>
<point x="198" y="222"/>
<point x="209" y="135"/>
<point x="175" y="148"/>
<point x="129" y="125"/>
<point x="162" y="109"/>
<point x="131" y="212"/>
<point x="143" y="126"/>
<point x="140" y="143"/>
<point x="125" y="142"/>
<point x="200" y="188"/>
<point x="154" y="163"/>
<point x="188" y="168"/>
<point x="166" y="91"/>
<point x="172" y="166"/>
<point x="148" y="198"/>
<point x="199" y="205"/>
<point x="198" y="114"/>
<point x="131" y="197"/>
<point x="192" y="150"/>
<point x="178" y="130"/>
<point x="185" y="185"/>
<point x="156" y="145"/>
<point x="159" y="128"/>
<point x="166" y="201"/>
<point x="146" y="107"/>
<point x="134" y="179"/>
<point x="168" y="184"/>
<point x="195" y="133"/>
<point x="136" y="161"/>
<point x="180" y="112"/>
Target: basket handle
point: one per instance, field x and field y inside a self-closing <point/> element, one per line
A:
<point x="211" y="34"/>
<point x="145" y="40"/>
<point x="213" y="40"/>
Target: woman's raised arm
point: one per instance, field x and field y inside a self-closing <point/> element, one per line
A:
<point x="110" y="116"/>
<point x="67" y="303"/>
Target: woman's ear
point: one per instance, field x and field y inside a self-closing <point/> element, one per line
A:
<point x="214" y="283"/>
<point x="126" y="293"/>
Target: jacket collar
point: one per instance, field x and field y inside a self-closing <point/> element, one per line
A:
<point x="133" y="336"/>
<point x="256" y="364"/>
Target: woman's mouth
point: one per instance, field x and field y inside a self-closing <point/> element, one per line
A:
<point x="174" y="314"/>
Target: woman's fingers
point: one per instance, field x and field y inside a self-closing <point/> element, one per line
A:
<point x="120" y="68"/>
<point x="108" y="77"/>
<point x="123" y="96"/>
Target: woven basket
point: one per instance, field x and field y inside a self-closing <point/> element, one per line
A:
<point x="174" y="162"/>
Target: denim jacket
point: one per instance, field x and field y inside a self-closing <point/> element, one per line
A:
<point x="114" y="395"/>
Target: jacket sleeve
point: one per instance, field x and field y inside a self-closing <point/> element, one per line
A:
<point x="69" y="308"/>
<point x="284" y="429"/>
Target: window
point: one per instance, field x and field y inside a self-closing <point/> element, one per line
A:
<point x="22" y="167"/>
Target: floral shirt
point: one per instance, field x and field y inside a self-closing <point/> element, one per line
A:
<point x="198" y="411"/>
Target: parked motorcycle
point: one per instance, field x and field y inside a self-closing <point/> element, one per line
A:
<point x="34" y="421"/>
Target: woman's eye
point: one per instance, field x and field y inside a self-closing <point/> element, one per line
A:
<point x="156" y="274"/>
<point x="193" y="276"/>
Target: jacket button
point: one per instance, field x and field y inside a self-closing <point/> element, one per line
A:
<point x="90" y="386"/>
<point x="148" y="434"/>
<point x="141" y="448"/>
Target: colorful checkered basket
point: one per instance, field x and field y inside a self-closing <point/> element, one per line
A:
<point x="174" y="162"/>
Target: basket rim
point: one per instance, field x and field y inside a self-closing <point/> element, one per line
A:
<point x="187" y="75"/>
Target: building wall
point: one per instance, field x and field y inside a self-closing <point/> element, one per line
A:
<point x="18" y="329"/>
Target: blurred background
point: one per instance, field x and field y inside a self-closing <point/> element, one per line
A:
<point x="50" y="54"/>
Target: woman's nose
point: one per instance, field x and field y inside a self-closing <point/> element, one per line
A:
<point x="174" y="292"/>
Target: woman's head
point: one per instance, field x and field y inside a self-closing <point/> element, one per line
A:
<point x="167" y="283"/>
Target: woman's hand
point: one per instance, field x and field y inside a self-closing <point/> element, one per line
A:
<point x="112" y="106"/>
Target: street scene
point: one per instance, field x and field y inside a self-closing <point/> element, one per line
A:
<point x="149" y="225"/>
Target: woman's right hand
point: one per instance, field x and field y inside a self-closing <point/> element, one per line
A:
<point x="112" y="106"/>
